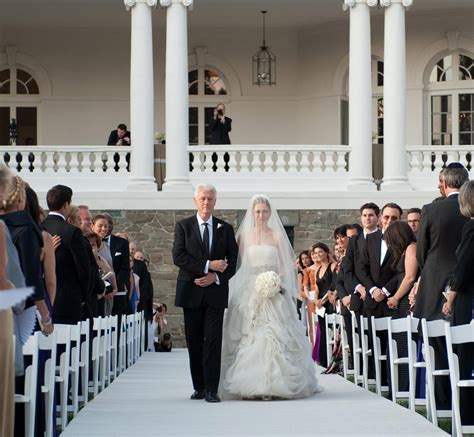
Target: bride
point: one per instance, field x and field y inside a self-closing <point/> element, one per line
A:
<point x="265" y="352"/>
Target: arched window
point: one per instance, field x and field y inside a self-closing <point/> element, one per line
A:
<point x="450" y="86"/>
<point x="20" y="97"/>
<point x="207" y="87"/>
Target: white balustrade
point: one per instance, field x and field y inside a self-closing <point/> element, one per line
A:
<point x="272" y="168"/>
<point x="425" y="163"/>
<point x="83" y="168"/>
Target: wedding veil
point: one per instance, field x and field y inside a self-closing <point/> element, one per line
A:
<point x="248" y="235"/>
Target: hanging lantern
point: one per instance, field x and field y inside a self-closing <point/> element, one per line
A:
<point x="264" y="63"/>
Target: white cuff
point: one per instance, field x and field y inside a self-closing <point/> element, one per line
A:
<point x="371" y="291"/>
<point x="386" y="292"/>
<point x="218" y="282"/>
<point x="206" y="267"/>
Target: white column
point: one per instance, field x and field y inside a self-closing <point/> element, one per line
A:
<point x="177" y="99"/>
<point x="141" y="96"/>
<point x="360" y="95"/>
<point x="394" y="96"/>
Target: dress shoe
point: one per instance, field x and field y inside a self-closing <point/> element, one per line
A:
<point x="212" y="397"/>
<point x="198" y="394"/>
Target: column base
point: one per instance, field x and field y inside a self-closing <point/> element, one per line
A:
<point x="184" y="186"/>
<point x="362" y="184"/>
<point x="395" y="184"/>
<point x="142" y="184"/>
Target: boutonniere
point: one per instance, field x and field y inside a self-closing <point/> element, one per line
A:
<point x="219" y="225"/>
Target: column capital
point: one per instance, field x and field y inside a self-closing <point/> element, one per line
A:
<point x="351" y="3"/>
<point x="185" y="3"/>
<point x="388" y="3"/>
<point x="129" y="4"/>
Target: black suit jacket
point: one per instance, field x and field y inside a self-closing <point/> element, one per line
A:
<point x="121" y="261"/>
<point x="73" y="273"/>
<point x="439" y="236"/>
<point x="463" y="281"/>
<point x="189" y="256"/>
<point x="220" y="131"/>
<point x="375" y="273"/>
<point x="113" y="138"/>
<point x="146" y="289"/>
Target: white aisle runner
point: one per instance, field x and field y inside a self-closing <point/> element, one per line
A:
<point x="152" y="399"/>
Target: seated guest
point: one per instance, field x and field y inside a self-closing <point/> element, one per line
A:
<point x="72" y="264"/>
<point x="119" y="137"/>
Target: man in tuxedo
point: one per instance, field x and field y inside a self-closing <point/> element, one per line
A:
<point x="369" y="216"/>
<point x="73" y="273"/>
<point x="119" y="251"/>
<point x="438" y="238"/>
<point x="378" y="277"/>
<point x="206" y="252"/>
<point x="343" y="293"/>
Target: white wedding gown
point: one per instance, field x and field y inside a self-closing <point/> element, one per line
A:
<point x="265" y="351"/>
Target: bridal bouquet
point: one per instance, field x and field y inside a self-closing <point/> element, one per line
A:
<point x="267" y="284"/>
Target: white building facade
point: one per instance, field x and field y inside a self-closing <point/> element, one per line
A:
<point x="349" y="74"/>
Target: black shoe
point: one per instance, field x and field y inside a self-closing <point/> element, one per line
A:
<point x="212" y="397"/>
<point x="198" y="394"/>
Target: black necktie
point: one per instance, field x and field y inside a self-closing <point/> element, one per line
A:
<point x="205" y="239"/>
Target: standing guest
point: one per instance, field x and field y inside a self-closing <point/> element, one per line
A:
<point x="369" y="217"/>
<point x="121" y="265"/>
<point x="206" y="252"/>
<point x="401" y="240"/>
<point x="100" y="226"/>
<point x="48" y="258"/>
<point x="74" y="217"/>
<point x="303" y="261"/>
<point x="72" y="266"/>
<point x="119" y="137"/>
<point x="378" y="276"/>
<point x="86" y="218"/>
<point x="309" y="286"/>
<point x="323" y="277"/>
<point x="27" y="239"/>
<point x="344" y="293"/>
<point x="462" y="297"/>
<point x="413" y="219"/>
<point x="439" y="236"/>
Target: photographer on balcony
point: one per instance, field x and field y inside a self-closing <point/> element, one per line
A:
<point x="119" y="137"/>
<point x="220" y="128"/>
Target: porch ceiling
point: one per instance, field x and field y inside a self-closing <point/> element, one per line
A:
<point x="206" y="13"/>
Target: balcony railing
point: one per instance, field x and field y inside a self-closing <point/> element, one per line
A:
<point x="84" y="168"/>
<point x="269" y="168"/>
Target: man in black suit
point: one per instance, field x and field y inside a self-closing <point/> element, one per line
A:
<point x="378" y="277"/>
<point x="119" y="137"/>
<point x="438" y="238"/>
<point x="73" y="273"/>
<point x="220" y="126"/>
<point x="344" y="293"/>
<point x="206" y="252"/>
<point x="369" y="216"/>
<point x="120" y="253"/>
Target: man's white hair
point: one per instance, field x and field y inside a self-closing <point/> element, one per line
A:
<point x="204" y="187"/>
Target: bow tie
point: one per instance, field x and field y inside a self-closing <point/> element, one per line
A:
<point x="106" y="239"/>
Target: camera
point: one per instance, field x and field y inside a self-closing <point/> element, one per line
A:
<point x="220" y="112"/>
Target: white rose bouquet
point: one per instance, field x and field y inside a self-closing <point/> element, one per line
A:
<point x="267" y="284"/>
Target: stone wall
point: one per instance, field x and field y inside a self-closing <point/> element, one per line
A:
<point x="154" y="231"/>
